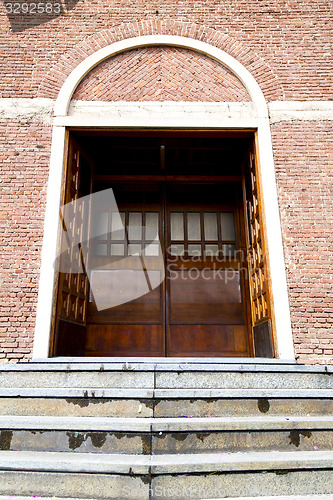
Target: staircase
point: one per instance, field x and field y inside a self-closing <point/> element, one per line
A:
<point x="166" y="429"/>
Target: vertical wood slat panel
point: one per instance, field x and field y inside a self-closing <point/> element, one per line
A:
<point x="73" y="286"/>
<point x="258" y="278"/>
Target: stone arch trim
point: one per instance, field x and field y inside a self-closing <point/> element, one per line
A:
<point x="89" y="63"/>
<point x="259" y="69"/>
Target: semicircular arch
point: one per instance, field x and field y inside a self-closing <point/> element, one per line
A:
<point x="90" y="62"/>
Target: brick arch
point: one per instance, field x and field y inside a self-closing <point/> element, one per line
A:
<point x="260" y="70"/>
<point x="161" y="74"/>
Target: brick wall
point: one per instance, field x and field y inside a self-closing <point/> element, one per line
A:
<point x="24" y="153"/>
<point x="292" y="37"/>
<point x="161" y="74"/>
<point x="285" y="45"/>
<point x="303" y="153"/>
<point x="56" y="75"/>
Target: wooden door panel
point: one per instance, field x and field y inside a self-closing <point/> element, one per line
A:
<point x="124" y="340"/>
<point x="206" y="306"/>
<point x="207" y="340"/>
<point x="198" y="310"/>
<point x="261" y="310"/>
<point x="143" y="310"/>
<point x="126" y="306"/>
<point x="71" y="308"/>
<point x="211" y="297"/>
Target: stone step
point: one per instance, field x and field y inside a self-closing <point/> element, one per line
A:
<point x="263" y="423"/>
<point x="242" y="380"/>
<point x="165" y="376"/>
<point x="162" y="361"/>
<point x="165" y="429"/>
<point x="173" y="393"/>
<point x="141" y="404"/>
<point x="160" y="436"/>
<point x="138" y="465"/>
<point x="284" y="497"/>
<point x="102" y="476"/>
<point x="146" y="365"/>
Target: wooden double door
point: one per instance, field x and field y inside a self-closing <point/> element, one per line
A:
<point x="167" y="271"/>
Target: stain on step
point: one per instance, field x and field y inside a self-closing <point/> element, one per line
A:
<point x="202" y="435"/>
<point x="146" y="445"/>
<point x="84" y="402"/>
<point x="75" y="439"/>
<point x="295" y="437"/>
<point x="282" y="472"/>
<point x="179" y="436"/>
<point x="97" y="438"/>
<point x="263" y="405"/>
<point x="5" y="439"/>
<point x="147" y="478"/>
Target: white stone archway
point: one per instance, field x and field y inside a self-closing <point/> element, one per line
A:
<point x="252" y="115"/>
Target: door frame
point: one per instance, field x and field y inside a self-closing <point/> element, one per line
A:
<point x="252" y="116"/>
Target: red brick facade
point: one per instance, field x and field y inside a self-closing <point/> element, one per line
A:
<point x="286" y="48"/>
<point x="25" y="152"/>
<point x="304" y="173"/>
<point x="161" y="74"/>
<point x="51" y="83"/>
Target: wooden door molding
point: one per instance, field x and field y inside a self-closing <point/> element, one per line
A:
<point x="259" y="278"/>
<point x="69" y="325"/>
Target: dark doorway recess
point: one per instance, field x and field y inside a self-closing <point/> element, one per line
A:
<point x="190" y="227"/>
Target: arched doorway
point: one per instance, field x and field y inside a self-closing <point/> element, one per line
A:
<point x="256" y="121"/>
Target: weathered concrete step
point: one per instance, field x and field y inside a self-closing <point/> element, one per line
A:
<point x="143" y="407"/>
<point x="151" y="362"/>
<point x="292" y="497"/>
<point x="164" y="424"/>
<point x="165" y="376"/>
<point x="174" y="393"/>
<point x="253" y="484"/>
<point x="161" y="436"/>
<point x="95" y="380"/>
<point x="243" y="380"/>
<point x="166" y="365"/>
<point x="284" y="497"/>
<point x="241" y="441"/>
<point x="76" y="392"/>
<point x="139" y="407"/>
<point x="163" y="464"/>
<point x="145" y="443"/>
<point x="241" y="407"/>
